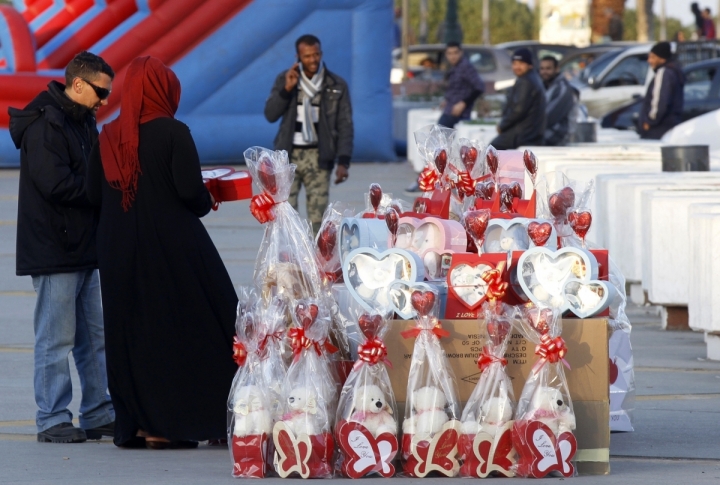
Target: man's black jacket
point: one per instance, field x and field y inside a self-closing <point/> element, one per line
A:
<point x="56" y="223"/>
<point x="523" y="118"/>
<point x="335" y="126"/>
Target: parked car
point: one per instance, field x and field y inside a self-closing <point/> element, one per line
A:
<point x="702" y="95"/>
<point x="538" y="49"/>
<point x="427" y="66"/>
<point x="574" y="63"/>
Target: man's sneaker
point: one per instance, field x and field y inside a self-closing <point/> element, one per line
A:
<point x="100" y="431"/>
<point x="62" y="433"/>
<point x="414" y="189"/>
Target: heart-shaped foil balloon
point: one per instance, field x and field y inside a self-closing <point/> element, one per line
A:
<point x="506" y="198"/>
<point x="327" y="241"/>
<point x="484" y="190"/>
<point x="475" y="223"/>
<point x="370" y="325"/>
<point x="498" y="329"/>
<point x="539" y="232"/>
<point x="560" y="201"/>
<point x="391" y="219"/>
<point x="580" y="222"/>
<point x="539" y="318"/>
<point x="375" y="196"/>
<point x="422" y="301"/>
<point x="266" y="173"/>
<point x="516" y="190"/>
<point x="468" y="155"/>
<point x="441" y="160"/>
<point x="531" y="164"/>
<point x="491" y="157"/>
<point x="306" y="314"/>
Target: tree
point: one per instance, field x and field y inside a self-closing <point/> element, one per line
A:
<point x="673" y="26"/>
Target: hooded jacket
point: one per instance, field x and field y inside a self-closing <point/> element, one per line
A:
<point x="56" y="223"/>
<point x="523" y="118"/>
<point x="663" y="104"/>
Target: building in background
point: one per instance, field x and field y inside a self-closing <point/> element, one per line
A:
<point x="565" y="22"/>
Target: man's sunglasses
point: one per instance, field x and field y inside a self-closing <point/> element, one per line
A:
<point x="102" y="93"/>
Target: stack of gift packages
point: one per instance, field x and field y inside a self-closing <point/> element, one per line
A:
<point x="465" y="333"/>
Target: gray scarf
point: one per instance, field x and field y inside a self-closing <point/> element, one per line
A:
<point x="310" y="88"/>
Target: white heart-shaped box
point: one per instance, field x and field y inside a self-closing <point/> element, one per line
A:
<point x="543" y="273"/>
<point x="437" y="264"/>
<point x="588" y="298"/>
<point x="368" y="273"/>
<point x="356" y="232"/>
<point x="399" y="293"/>
<point x="430" y="234"/>
<point x="503" y="235"/>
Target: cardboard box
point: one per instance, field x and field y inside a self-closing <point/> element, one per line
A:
<point x="587" y="342"/>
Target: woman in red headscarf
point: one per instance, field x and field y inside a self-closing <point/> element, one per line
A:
<point x="168" y="301"/>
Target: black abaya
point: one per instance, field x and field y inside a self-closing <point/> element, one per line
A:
<point x="168" y="301"/>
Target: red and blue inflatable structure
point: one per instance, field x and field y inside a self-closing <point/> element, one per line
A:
<point x="226" y="54"/>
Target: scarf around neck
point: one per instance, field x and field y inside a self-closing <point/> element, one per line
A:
<point x="310" y="88"/>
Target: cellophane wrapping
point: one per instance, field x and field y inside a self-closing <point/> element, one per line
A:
<point x="286" y="263"/>
<point x="486" y="440"/>
<point x="250" y="402"/>
<point x="466" y="167"/>
<point x="303" y="435"/>
<point x="431" y="426"/>
<point x="545" y="420"/>
<point x="366" y="425"/>
<point x="558" y="196"/>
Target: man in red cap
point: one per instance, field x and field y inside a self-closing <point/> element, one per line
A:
<point x="663" y="104"/>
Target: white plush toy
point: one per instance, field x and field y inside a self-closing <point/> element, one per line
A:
<point x="549" y="407"/>
<point x="429" y="414"/>
<point x="251" y="417"/>
<point x="372" y="411"/>
<point x="302" y="404"/>
<point x="496" y="411"/>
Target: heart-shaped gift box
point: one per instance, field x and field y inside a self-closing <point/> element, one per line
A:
<point x="227" y="184"/>
<point x="399" y="293"/>
<point x="466" y="288"/>
<point x="357" y="233"/>
<point x="368" y="273"/>
<point x="503" y="235"/>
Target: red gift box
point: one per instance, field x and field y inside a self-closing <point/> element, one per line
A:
<point x="362" y="454"/>
<point x="294" y="456"/>
<point x="520" y="207"/>
<point x="227" y="184"/>
<point x="437" y="205"/>
<point x="540" y="452"/>
<point x="248" y="455"/>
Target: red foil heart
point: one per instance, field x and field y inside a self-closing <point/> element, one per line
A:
<point x="391" y="219"/>
<point x="306" y="314"/>
<point x="491" y="157"/>
<point x="498" y="330"/>
<point x="516" y="190"/>
<point x="539" y="233"/>
<point x="476" y="223"/>
<point x="506" y="198"/>
<point x="468" y="155"/>
<point x="370" y="325"/>
<point x="561" y="201"/>
<point x="531" y="164"/>
<point x="580" y="222"/>
<point x="375" y="196"/>
<point x="540" y="319"/>
<point x="327" y="240"/>
<point x="484" y="190"/>
<point x="266" y="174"/>
<point x="441" y="160"/>
<point x="423" y="302"/>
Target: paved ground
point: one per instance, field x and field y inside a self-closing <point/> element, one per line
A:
<point x="677" y="437"/>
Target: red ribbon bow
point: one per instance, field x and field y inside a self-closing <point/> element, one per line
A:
<point x="372" y="352"/>
<point x="263" y="343"/>
<point x="465" y="184"/>
<point x="415" y="331"/>
<point x="239" y="352"/>
<point x="487" y="358"/>
<point x="299" y="341"/>
<point x="550" y="350"/>
<point x="428" y="178"/>
<point x="496" y="286"/>
<point x="261" y="207"/>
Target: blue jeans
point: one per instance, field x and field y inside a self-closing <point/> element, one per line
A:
<point x="448" y="121"/>
<point x="68" y="317"/>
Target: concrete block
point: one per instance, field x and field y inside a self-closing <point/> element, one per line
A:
<point x="704" y="284"/>
<point x="666" y="241"/>
<point x="713" y="346"/>
<point x="674" y="318"/>
<point x="637" y="294"/>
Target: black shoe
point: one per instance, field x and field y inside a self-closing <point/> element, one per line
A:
<point x="62" y="433"/>
<point x="414" y="189"/>
<point x="100" y="431"/>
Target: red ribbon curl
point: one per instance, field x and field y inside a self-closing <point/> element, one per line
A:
<point x="487" y="358"/>
<point x="550" y="350"/>
<point x="415" y="331"/>
<point x="299" y="341"/>
<point x="263" y="343"/>
<point x="465" y="184"/>
<point x="261" y="207"/>
<point x="427" y="179"/>
<point x="372" y="352"/>
<point x="496" y="286"/>
<point x="239" y="352"/>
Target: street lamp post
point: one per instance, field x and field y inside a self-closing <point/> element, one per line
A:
<point x="453" y="33"/>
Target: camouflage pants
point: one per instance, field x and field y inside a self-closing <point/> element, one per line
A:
<point x="316" y="181"/>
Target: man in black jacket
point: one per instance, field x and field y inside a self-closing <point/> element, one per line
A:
<point x="523" y="119"/>
<point x="316" y="126"/>
<point x="56" y="246"/>
<point x="561" y="108"/>
<point x="663" y="104"/>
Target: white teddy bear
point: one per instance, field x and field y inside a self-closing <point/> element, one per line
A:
<point x="549" y="407"/>
<point x="251" y="417"/>
<point x="495" y="412"/>
<point x="428" y="415"/>
<point x="372" y="411"/>
<point x="302" y="405"/>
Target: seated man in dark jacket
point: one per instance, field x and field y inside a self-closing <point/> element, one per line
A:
<point x="663" y="105"/>
<point x="523" y="119"/>
<point x="561" y="99"/>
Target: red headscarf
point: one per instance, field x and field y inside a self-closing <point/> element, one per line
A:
<point x="151" y="90"/>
